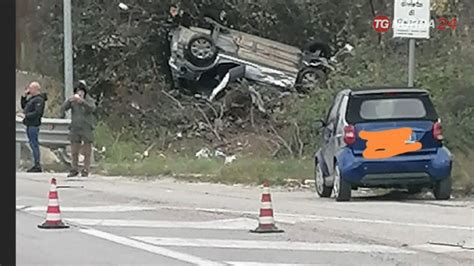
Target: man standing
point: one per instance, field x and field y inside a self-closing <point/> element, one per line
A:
<point x="32" y="103"/>
<point x="82" y="126"/>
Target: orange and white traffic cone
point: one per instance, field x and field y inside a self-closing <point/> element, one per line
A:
<point x="53" y="214"/>
<point x="266" y="223"/>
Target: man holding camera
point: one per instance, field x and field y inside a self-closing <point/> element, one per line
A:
<point x="32" y="103"/>
<point x="81" y="129"/>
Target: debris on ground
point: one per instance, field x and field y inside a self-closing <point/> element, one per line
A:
<point x="230" y="159"/>
<point x="203" y="153"/>
<point x="206" y="153"/>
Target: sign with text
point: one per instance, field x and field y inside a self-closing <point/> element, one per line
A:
<point x="411" y="19"/>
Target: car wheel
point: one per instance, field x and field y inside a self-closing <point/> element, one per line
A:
<point x="201" y="51"/>
<point x="318" y="49"/>
<point x="442" y="189"/>
<point x="322" y="190"/>
<point x="310" y="78"/>
<point x="341" y="188"/>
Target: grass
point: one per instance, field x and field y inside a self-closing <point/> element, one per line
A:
<point x="124" y="157"/>
<point x="244" y="170"/>
<point x="463" y="173"/>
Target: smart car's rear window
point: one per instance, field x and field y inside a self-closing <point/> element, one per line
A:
<point x="366" y="108"/>
<point x="392" y="109"/>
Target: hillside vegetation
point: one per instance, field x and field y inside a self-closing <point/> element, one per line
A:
<point x="123" y="55"/>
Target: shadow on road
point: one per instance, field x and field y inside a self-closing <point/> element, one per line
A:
<point x="394" y="195"/>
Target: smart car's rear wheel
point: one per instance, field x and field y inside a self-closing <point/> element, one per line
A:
<point x="442" y="189"/>
<point x="414" y="189"/>
<point x="310" y="78"/>
<point x="341" y="188"/>
<point x="201" y="51"/>
<point x="322" y="190"/>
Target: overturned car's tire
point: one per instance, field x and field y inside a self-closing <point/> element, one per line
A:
<point x="318" y="49"/>
<point x="201" y="51"/>
<point x="309" y="78"/>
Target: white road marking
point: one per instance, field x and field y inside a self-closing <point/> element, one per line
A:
<point x="19" y="207"/>
<point x="28" y="198"/>
<point x="439" y="248"/>
<point x="317" y="218"/>
<point x="252" y="263"/>
<point x="150" y="248"/>
<point x="275" y="245"/>
<point x="228" y="224"/>
<point x="112" y="208"/>
<point x="287" y="218"/>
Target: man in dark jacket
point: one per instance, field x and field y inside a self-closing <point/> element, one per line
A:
<point x="81" y="128"/>
<point x="32" y="103"/>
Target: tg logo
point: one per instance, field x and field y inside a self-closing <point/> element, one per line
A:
<point x="382" y="23"/>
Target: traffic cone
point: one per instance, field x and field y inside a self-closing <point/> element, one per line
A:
<point x="266" y="223"/>
<point x="53" y="214"/>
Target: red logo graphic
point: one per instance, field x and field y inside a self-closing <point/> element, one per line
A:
<point x="444" y="22"/>
<point x="381" y="24"/>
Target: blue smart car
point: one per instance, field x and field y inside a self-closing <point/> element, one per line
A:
<point x="342" y="164"/>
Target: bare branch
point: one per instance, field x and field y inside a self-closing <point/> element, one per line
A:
<point x="173" y="98"/>
<point x="209" y="124"/>
<point x="282" y="140"/>
<point x="252" y="121"/>
<point x="212" y="108"/>
<point x="300" y="142"/>
<point x="257" y="99"/>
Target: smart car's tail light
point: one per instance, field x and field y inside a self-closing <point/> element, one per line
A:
<point x="349" y="134"/>
<point x="437" y="131"/>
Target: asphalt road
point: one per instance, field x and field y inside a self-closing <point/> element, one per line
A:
<point x="117" y="221"/>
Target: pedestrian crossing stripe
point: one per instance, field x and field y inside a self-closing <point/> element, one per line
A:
<point x="271" y="245"/>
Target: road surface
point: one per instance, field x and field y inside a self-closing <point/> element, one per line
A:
<point x="118" y="221"/>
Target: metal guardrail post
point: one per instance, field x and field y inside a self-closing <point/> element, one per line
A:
<point x="92" y="157"/>
<point x="18" y="155"/>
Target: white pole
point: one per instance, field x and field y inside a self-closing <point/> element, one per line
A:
<point x="68" y="60"/>
<point x="411" y="62"/>
<point x="18" y="155"/>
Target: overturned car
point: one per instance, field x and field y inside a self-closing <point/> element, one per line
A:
<point x="211" y="58"/>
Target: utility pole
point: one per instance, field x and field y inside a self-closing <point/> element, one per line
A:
<point x="68" y="60"/>
<point x="411" y="62"/>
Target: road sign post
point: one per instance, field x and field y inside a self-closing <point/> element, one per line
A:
<point x="411" y="62"/>
<point x="411" y="20"/>
<point x="68" y="59"/>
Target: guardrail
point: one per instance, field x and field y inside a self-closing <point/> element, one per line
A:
<point x="53" y="134"/>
